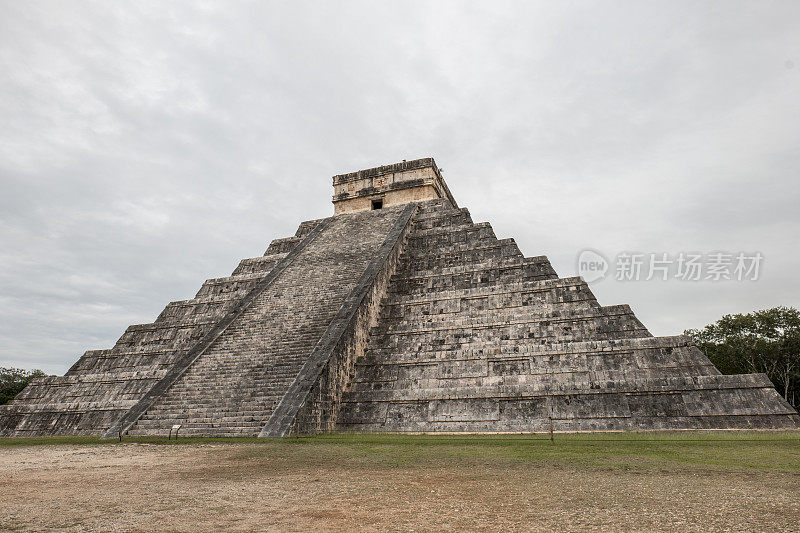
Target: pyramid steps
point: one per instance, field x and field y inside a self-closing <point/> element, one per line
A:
<point x="257" y="265"/>
<point x="104" y="384"/>
<point x="243" y="376"/>
<point x="474" y="337"/>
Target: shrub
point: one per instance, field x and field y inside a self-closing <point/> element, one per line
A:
<point x="13" y="380"/>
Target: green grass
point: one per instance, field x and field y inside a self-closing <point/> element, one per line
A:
<point x="716" y="451"/>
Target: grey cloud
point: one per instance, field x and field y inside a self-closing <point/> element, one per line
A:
<point x="147" y="147"/>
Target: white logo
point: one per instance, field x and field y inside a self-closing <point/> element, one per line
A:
<point x="592" y="266"/>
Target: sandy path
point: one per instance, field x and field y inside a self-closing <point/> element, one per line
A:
<point x="135" y="487"/>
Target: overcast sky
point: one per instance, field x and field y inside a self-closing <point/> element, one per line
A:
<point x="146" y="147"/>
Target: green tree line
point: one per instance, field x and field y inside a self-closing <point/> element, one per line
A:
<point x="766" y="341"/>
<point x="13" y="380"/>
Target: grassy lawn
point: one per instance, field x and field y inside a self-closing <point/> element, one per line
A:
<point x="723" y="451"/>
<point x="671" y="481"/>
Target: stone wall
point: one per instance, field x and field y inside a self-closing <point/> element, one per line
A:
<point x="389" y="198"/>
<point x="410" y="181"/>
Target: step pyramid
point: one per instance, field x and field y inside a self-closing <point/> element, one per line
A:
<point x="397" y="314"/>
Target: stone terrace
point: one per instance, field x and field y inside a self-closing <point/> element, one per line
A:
<point x="474" y="337"/>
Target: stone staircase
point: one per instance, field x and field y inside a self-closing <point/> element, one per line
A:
<point x="233" y="388"/>
<point x="473" y="337"/>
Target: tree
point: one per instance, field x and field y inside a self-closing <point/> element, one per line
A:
<point x="765" y="341"/>
<point x="13" y="380"/>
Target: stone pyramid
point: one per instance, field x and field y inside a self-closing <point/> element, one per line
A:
<point x="397" y="314"/>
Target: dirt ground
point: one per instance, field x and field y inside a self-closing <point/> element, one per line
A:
<point x="249" y="487"/>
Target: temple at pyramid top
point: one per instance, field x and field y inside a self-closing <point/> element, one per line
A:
<point x="389" y="185"/>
